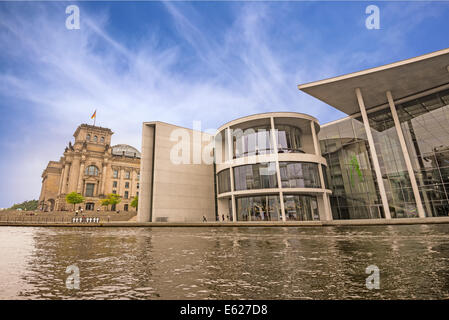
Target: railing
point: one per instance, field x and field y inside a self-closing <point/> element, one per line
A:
<point x="43" y="220"/>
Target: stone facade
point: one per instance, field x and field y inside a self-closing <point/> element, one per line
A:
<point x="91" y="167"/>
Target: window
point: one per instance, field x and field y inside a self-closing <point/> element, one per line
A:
<point x="102" y="139"/>
<point x="299" y="175"/>
<point x="255" y="176"/>
<point x="137" y="194"/>
<point x="127" y="185"/>
<point x="127" y="174"/>
<point x="115" y="173"/>
<point x="90" y="189"/>
<point x="252" y="141"/>
<point x="126" y="195"/>
<point x="137" y="185"/>
<point x="301" y="208"/>
<point x="138" y="175"/>
<point x="95" y="138"/>
<point x="114" y="191"/>
<point x="88" y="137"/>
<point x="258" y="208"/>
<point x="288" y="139"/>
<point x="114" y="184"/>
<point x="125" y="207"/>
<point x="92" y="171"/>
<point x="90" y="206"/>
<point x="224" y="181"/>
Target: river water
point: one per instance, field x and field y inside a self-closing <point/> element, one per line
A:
<point x="225" y="263"/>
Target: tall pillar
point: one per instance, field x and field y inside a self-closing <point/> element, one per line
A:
<point x="131" y="185"/>
<point x="315" y="139"/>
<point x="64" y="178"/>
<point x="380" y="182"/>
<point x="104" y="172"/>
<point x="74" y="172"/>
<point x="231" y="171"/>
<point x="278" y="171"/>
<point x="79" y="188"/>
<point x="408" y="163"/>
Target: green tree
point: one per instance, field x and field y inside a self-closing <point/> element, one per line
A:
<point x="74" y="198"/>
<point x="26" y="205"/>
<point x="113" y="199"/>
<point x="135" y="202"/>
<point x="105" y="203"/>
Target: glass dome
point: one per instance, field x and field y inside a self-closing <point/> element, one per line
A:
<point x="125" y="150"/>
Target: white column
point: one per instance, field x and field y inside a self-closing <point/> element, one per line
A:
<point x="231" y="173"/>
<point x="278" y="170"/>
<point x="408" y="163"/>
<point x="103" y="178"/>
<point x="315" y="139"/>
<point x="380" y="182"/>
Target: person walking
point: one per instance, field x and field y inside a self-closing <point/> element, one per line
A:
<point x="204" y="219"/>
<point x="222" y="216"/>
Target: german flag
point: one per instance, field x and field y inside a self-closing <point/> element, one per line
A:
<point x="94" y="114"/>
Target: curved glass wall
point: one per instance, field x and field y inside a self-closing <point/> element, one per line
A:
<point x="258" y="208"/>
<point x="299" y="175"/>
<point x="224" y="181"/>
<point x="255" y="176"/>
<point x="288" y="139"/>
<point x="251" y="141"/>
<point x="301" y="208"/>
<point x="351" y="176"/>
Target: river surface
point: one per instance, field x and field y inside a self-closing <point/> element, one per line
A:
<point x="225" y="263"/>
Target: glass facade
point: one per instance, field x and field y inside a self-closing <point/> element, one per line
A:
<point x="258" y="208"/>
<point x="392" y="165"/>
<point x="224" y="181"/>
<point x="350" y="173"/>
<point x="425" y="125"/>
<point x="301" y="208"/>
<point x="299" y="175"/>
<point x="288" y="139"/>
<point x="252" y="141"/>
<point x="255" y="176"/>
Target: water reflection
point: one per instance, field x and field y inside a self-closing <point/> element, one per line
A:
<point x="225" y="263"/>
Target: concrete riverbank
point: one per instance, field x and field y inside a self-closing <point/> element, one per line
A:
<point x="364" y="222"/>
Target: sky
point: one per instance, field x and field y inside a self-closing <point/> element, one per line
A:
<point x="180" y="62"/>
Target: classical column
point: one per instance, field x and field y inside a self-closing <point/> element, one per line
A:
<point x="104" y="173"/>
<point x="380" y="182"/>
<point x="131" y="187"/>
<point x="64" y="178"/>
<point x="408" y="163"/>
<point x="231" y="172"/>
<point x="278" y="170"/>
<point x="74" y="172"/>
<point x="80" y="178"/>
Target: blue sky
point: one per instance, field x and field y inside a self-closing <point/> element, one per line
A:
<point x="179" y="62"/>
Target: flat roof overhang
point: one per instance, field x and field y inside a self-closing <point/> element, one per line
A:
<point x="403" y="79"/>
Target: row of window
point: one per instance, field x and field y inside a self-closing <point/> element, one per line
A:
<point x="93" y="171"/>
<point x="115" y="184"/>
<point x="257" y="140"/>
<point x="95" y="138"/>
<point x="263" y="176"/>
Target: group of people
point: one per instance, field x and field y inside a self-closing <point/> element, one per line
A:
<point x="85" y="219"/>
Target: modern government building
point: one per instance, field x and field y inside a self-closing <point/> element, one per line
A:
<point x="388" y="159"/>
